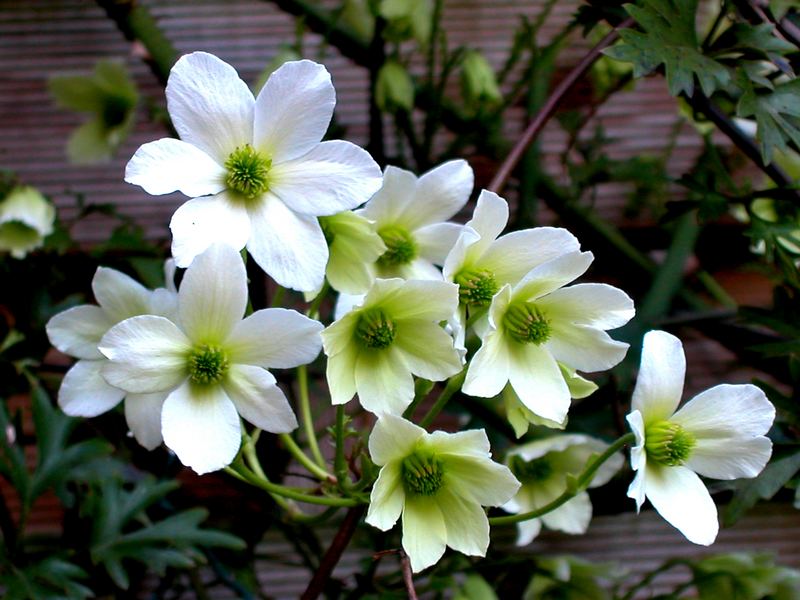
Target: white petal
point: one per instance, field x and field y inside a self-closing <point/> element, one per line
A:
<point x="77" y="331"/>
<point x="213" y="295"/>
<point x="424" y="532"/>
<point x="572" y="517"/>
<point x="143" y="415"/>
<point x="553" y="274"/>
<point x="488" y="371"/>
<point x="481" y="480"/>
<point x="84" y="392"/>
<point x="291" y="248"/>
<point x="200" y="222"/>
<point x="636" y="489"/>
<point x="435" y="241"/>
<point x="681" y="498"/>
<point x="384" y="382"/>
<point x="393" y="438"/>
<point x="169" y="165"/>
<point x="527" y="531"/>
<point x="258" y="399"/>
<point x="538" y="382"/>
<point x="516" y="253"/>
<point x="466" y="523"/>
<point x="659" y="384"/>
<point x="209" y="105"/>
<point x="438" y="195"/>
<point x="386" y="205"/>
<point x="341" y="376"/>
<point x="415" y="299"/>
<point x="584" y="348"/>
<point x="275" y="338"/>
<point x="596" y="304"/>
<point x="293" y="109"/>
<point x="638" y="457"/>
<point x="333" y="177"/>
<point x="119" y="295"/>
<point x="200" y="424"/>
<point x="489" y="218"/>
<point x="738" y="411"/>
<point x="460" y="253"/>
<point x="146" y="354"/>
<point x="730" y="458"/>
<point x="472" y="443"/>
<point x="387" y="498"/>
<point x="427" y="350"/>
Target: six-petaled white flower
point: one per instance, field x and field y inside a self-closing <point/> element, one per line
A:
<point x="256" y="169"/>
<point x="211" y="362"/>
<point x="439" y="483"/>
<point x="719" y="433"/>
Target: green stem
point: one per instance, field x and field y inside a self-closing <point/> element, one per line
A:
<point x="313" y="309"/>
<point x="647" y="579"/>
<point x="306" y="418"/>
<point x="577" y="486"/>
<point x="339" y="464"/>
<point x="453" y="385"/>
<point x="277" y="297"/>
<point x="304" y="460"/>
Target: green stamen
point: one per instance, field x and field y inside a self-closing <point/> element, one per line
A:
<point x="400" y="246"/>
<point x="248" y="172"/>
<point x="207" y="365"/>
<point x="668" y="443"/>
<point x="525" y="323"/>
<point x="476" y="288"/>
<point x="422" y="474"/>
<point x="375" y="329"/>
<point x="531" y="471"/>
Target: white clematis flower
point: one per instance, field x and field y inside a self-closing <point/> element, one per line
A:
<point x="376" y="347"/>
<point x="256" y="168"/>
<point x="26" y="218"/>
<point x="542" y="467"/>
<point x="78" y="331"/>
<point x="539" y="327"/>
<point x="410" y="215"/>
<point x="439" y="482"/>
<point x="719" y="433"/>
<point x="211" y="363"/>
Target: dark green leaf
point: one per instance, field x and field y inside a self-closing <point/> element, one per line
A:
<point x="777" y="113"/>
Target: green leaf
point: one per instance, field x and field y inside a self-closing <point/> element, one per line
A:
<point x="51" y="577"/>
<point x="777" y="114"/>
<point x="669" y="38"/>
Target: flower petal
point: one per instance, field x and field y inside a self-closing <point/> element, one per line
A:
<point x="551" y="275"/>
<point x="438" y="195"/>
<point x="84" y="392"/>
<point x="488" y="371"/>
<point x="213" y="295"/>
<point x="200" y="222"/>
<point x="466" y="523"/>
<point x="572" y="517"/>
<point x="537" y="380"/>
<point x="730" y="458"/>
<point x="737" y="411"/>
<point x="383" y="381"/>
<point x="275" y="338"/>
<point x="681" y="498"/>
<point x="480" y="479"/>
<point x="424" y="532"/>
<point x="333" y="177"/>
<point x="341" y="376"/>
<point x="527" y="531"/>
<point x="167" y="165"/>
<point x="414" y="299"/>
<point x="427" y="350"/>
<point x="583" y="347"/>
<point x="386" y="205"/>
<point x="339" y="335"/>
<point x="77" y="331"/>
<point x="595" y="304"/>
<point x="435" y="241"/>
<point x="387" y="498"/>
<point x="636" y="490"/>
<point x="258" y="399"/>
<point x="293" y="110"/>
<point x="489" y="219"/>
<point x="200" y="424"/>
<point x="291" y="248"/>
<point x="392" y="439"/>
<point x="470" y="443"/>
<point x="146" y="354"/>
<point x="209" y="105"/>
<point x="143" y="415"/>
<point x="659" y="384"/>
<point x="119" y="295"/>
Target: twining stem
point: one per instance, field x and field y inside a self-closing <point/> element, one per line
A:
<point x="453" y="385"/>
<point x="306" y="418"/>
<point x="304" y="460"/>
<point x="577" y="486"/>
<point x="550" y="106"/>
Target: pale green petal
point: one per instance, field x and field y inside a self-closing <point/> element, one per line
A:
<point x="387" y="498"/>
<point x="383" y="381"/>
<point x="339" y="335"/>
<point x="470" y="443"/>
<point x="393" y="439"/>
<point x="427" y="350"/>
<point x="466" y="523"/>
<point x="578" y="386"/>
<point x="551" y="275"/>
<point x="424" y="532"/>
<point x="489" y="369"/>
<point x="537" y="380"/>
<point x="355" y="246"/>
<point x="341" y="375"/>
<point x="595" y="304"/>
<point x="527" y="531"/>
<point x="480" y="479"/>
<point x="426" y="300"/>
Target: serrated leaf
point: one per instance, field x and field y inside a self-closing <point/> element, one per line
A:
<point x="777" y="114"/>
<point x="669" y="38"/>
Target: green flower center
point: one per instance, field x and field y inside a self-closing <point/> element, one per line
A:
<point x="248" y="172"/>
<point x="476" y="288"/>
<point x="207" y="365"/>
<point x="422" y="474"/>
<point x="400" y="246"/>
<point x="668" y="443"/>
<point x="531" y="471"/>
<point x="525" y="323"/>
<point x="375" y="329"/>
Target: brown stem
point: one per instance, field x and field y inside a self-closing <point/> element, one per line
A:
<point x="548" y="110"/>
<point x="408" y="577"/>
<point x="334" y="553"/>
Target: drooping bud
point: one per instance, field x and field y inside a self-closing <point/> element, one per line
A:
<point x="248" y="172"/>
<point x="422" y="474"/>
<point x="207" y="365"/>
<point x="668" y="443"/>
<point x="478" y="80"/>
<point x="394" y="89"/>
<point x="476" y="288"/>
<point x="375" y="329"/>
<point x="526" y="323"/>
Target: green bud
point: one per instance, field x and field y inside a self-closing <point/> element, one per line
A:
<point x="394" y="89"/>
<point x="478" y="80"/>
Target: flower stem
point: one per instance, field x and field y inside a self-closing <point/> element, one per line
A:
<point x="339" y="464"/>
<point x="305" y="416"/>
<point x="575" y="487"/>
<point x="453" y="385"/>
<point x="304" y="460"/>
